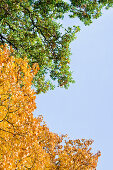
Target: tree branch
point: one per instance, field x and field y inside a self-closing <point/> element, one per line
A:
<point x="2" y="37"/>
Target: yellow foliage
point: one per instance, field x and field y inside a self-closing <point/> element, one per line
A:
<point x="25" y="141"/>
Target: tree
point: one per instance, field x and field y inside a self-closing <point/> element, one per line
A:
<point x="32" y="28"/>
<point x="26" y="142"/>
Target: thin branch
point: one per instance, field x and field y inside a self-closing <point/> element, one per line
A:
<point x="11" y="27"/>
<point x="2" y="37"/>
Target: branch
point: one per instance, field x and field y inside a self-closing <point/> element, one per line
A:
<point x="10" y="27"/>
<point x="2" y="37"/>
<point x="35" y="26"/>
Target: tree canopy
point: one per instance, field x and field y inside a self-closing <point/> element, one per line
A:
<point x="31" y="27"/>
<point x="25" y="141"/>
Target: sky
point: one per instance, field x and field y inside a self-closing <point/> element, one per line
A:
<point x="85" y="110"/>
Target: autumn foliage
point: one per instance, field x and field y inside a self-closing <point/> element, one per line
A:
<point x="25" y="141"/>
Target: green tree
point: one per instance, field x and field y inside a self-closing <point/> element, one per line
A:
<point x="32" y="28"/>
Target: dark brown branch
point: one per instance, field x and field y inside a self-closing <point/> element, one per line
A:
<point x="2" y="37"/>
<point x="35" y="26"/>
<point x="11" y="27"/>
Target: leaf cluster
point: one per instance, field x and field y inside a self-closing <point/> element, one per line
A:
<point x="31" y="27"/>
<point x="26" y="142"/>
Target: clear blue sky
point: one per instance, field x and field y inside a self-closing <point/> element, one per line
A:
<point x="85" y="110"/>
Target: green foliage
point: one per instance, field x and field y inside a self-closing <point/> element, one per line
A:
<point x="86" y="10"/>
<point x="32" y="28"/>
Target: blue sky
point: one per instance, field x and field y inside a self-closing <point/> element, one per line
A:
<point x="85" y="110"/>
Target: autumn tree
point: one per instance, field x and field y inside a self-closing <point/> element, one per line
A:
<point x="32" y="28"/>
<point x="26" y="142"/>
